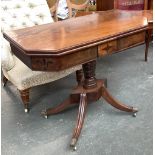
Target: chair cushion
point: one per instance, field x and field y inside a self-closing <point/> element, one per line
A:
<point x="17" y="14"/>
<point x="34" y="78"/>
<point x="24" y="13"/>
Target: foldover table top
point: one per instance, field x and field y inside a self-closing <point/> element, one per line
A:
<point x="77" y="33"/>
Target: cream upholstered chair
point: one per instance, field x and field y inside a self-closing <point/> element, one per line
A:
<point x="19" y="14"/>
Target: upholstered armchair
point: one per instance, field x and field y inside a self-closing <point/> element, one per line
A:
<point x="20" y="14"/>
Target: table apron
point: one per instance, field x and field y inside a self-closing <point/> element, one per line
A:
<point x="44" y="63"/>
<point x="121" y="43"/>
<point x="58" y="63"/>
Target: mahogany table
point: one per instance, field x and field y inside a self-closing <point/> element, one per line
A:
<point x="60" y="45"/>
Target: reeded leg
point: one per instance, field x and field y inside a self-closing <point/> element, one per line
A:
<point x="25" y="98"/>
<point x="107" y="96"/>
<point x="79" y="76"/>
<point x="80" y="120"/>
<point x="4" y="81"/>
<point x="61" y="107"/>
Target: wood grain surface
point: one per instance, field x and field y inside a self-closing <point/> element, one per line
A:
<point x="74" y="34"/>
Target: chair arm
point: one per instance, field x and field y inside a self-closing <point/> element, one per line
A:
<point x="54" y="10"/>
<point x="7" y="59"/>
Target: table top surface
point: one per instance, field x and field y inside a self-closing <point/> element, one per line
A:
<point x="143" y="13"/>
<point x="68" y="36"/>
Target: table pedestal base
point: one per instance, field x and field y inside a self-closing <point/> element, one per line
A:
<point x="83" y="96"/>
<point x="87" y="91"/>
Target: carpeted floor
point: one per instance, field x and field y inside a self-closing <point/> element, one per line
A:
<point x="106" y="131"/>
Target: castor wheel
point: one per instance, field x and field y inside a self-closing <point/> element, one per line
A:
<point x="73" y="144"/>
<point x="44" y="114"/>
<point x="134" y="114"/>
<point x="26" y="110"/>
<point x="135" y="110"/>
<point x="74" y="148"/>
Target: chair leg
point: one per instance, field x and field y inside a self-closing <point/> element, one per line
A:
<point x="147" y="41"/>
<point x="4" y="81"/>
<point x="25" y="98"/>
<point x="79" y="76"/>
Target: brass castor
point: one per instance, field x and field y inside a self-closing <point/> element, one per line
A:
<point x="44" y="114"/>
<point x="73" y="144"/>
<point x="26" y="110"/>
<point x="134" y="114"/>
<point x="74" y="148"/>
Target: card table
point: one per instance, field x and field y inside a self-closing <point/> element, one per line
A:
<point x="81" y="40"/>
